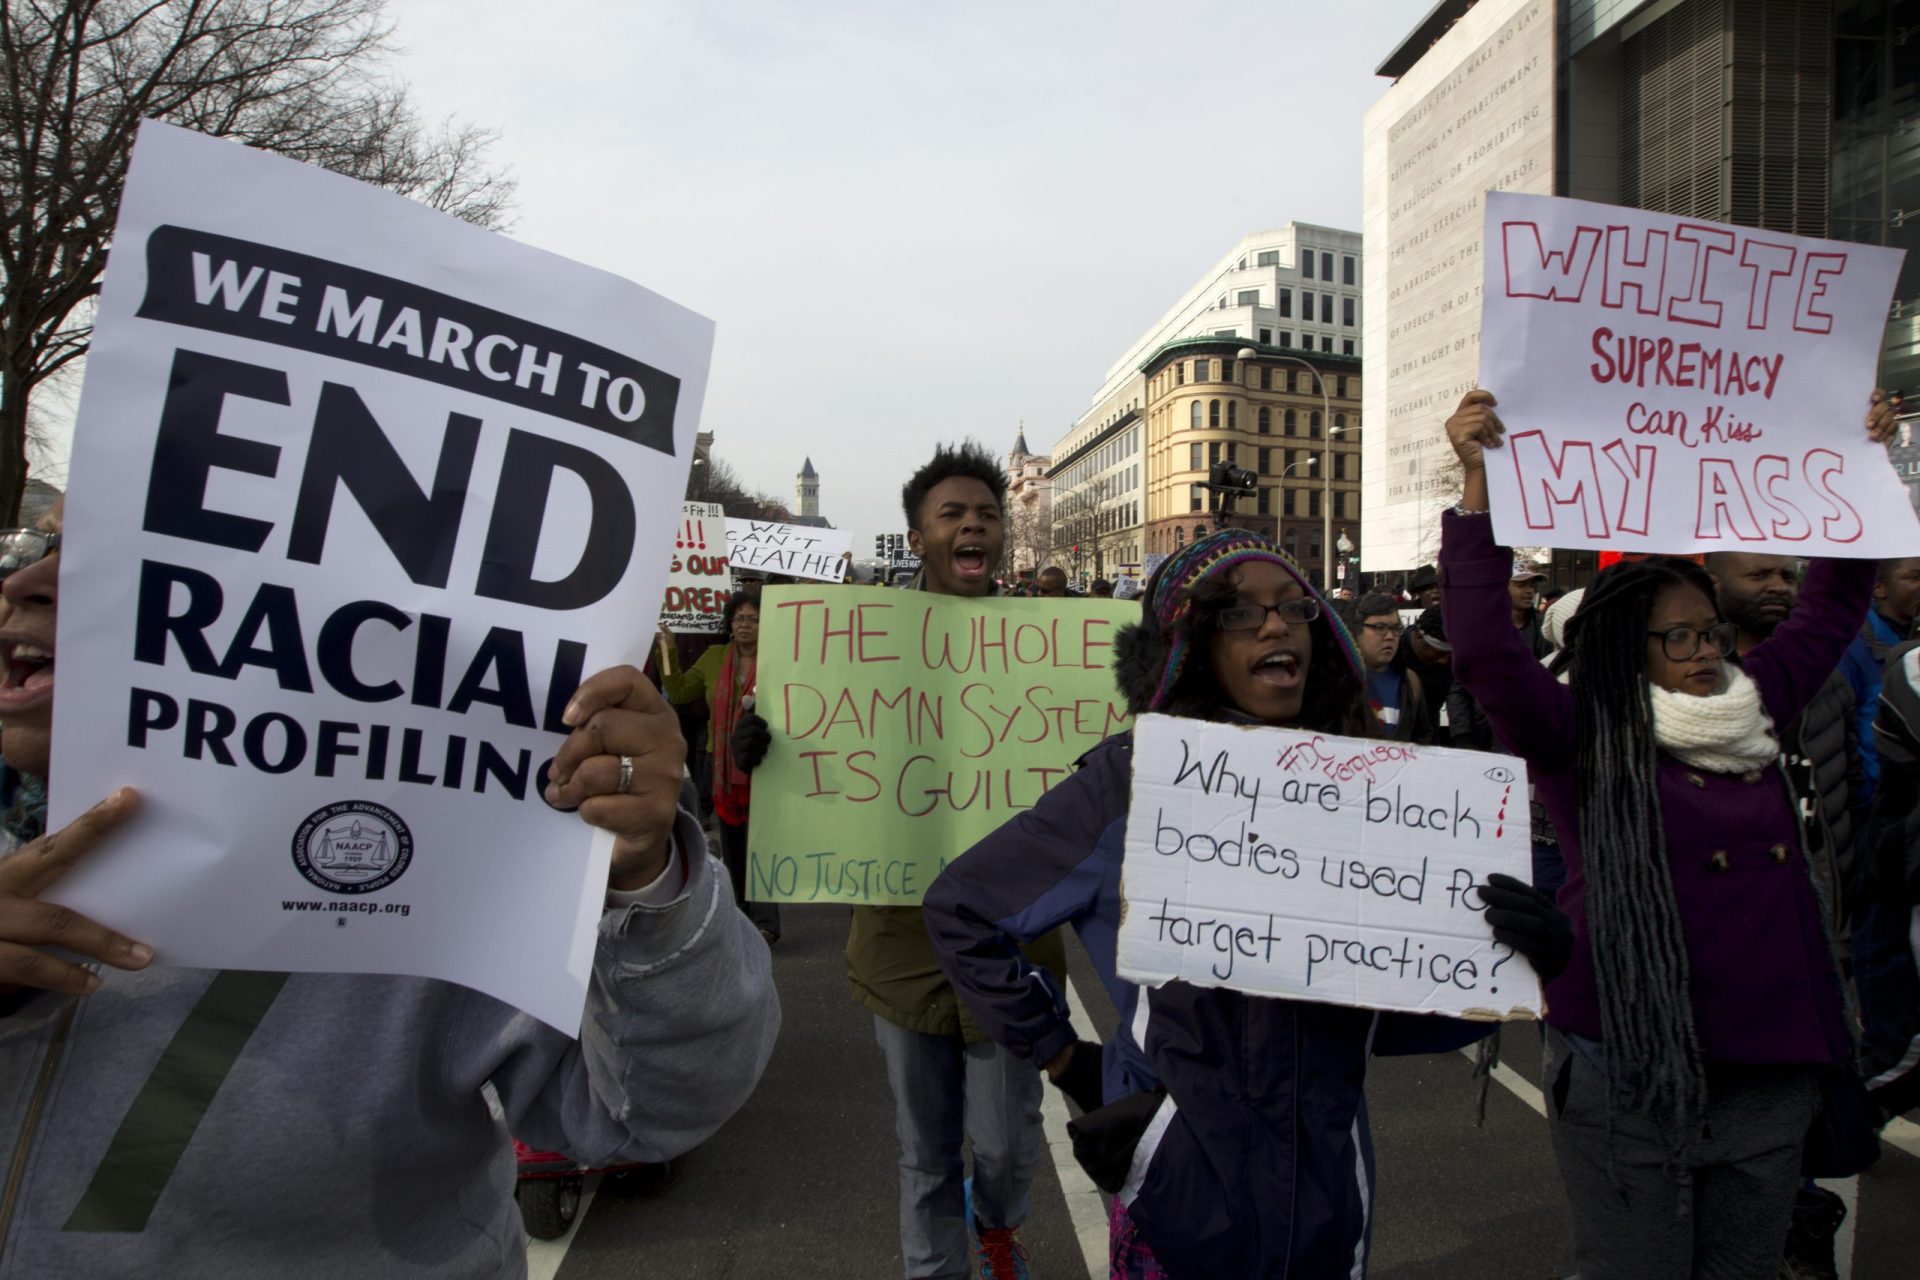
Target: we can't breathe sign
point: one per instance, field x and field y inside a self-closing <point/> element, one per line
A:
<point x="1671" y="385"/>
<point x="359" y="495"/>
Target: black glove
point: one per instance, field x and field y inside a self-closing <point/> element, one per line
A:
<point x="751" y="738"/>
<point x="1527" y="920"/>
<point x="1080" y="1080"/>
<point x="1104" y="1140"/>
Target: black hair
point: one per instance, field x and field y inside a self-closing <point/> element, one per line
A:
<point x="1888" y="567"/>
<point x="968" y="459"/>
<point x="1375" y="603"/>
<point x="734" y="605"/>
<point x="1052" y="568"/>
<point x="1335" y="701"/>
<point x="1639" y="950"/>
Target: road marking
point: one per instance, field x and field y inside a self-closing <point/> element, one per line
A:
<point x="1086" y="1203"/>
<point x="1904" y="1134"/>
<point x="1515" y="1083"/>
<point x="1848" y="1189"/>
<point x="545" y="1256"/>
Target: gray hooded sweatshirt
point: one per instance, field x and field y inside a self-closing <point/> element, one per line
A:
<point x="211" y="1124"/>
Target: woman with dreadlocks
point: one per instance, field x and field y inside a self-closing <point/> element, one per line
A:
<point x="1686" y="1037"/>
<point x="1230" y="1128"/>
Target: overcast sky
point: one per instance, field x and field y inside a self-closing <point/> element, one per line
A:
<point x="911" y="222"/>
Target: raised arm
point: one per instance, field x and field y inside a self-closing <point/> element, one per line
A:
<point x="1034" y="874"/>
<point x="1793" y="663"/>
<point x="1531" y="712"/>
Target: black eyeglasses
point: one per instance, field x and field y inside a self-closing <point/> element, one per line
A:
<point x="20" y="548"/>
<point x="1251" y="617"/>
<point x="1683" y="643"/>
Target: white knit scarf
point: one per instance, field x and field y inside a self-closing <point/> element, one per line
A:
<point x="1727" y="732"/>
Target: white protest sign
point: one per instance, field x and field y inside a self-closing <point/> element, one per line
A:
<point x="1282" y="862"/>
<point x="360" y="493"/>
<point x="697" y="578"/>
<point x="1674" y="385"/>
<point x="759" y="546"/>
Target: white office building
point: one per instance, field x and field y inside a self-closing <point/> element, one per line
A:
<point x="1297" y="287"/>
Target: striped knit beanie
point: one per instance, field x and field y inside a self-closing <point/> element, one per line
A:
<point x="1170" y="597"/>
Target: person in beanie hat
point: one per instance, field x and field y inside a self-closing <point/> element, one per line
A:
<point x="1231" y="1129"/>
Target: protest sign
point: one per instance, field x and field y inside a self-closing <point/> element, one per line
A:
<point x="698" y="580"/>
<point x="1671" y="385"/>
<point x="790" y="550"/>
<point x="907" y="726"/>
<point x="360" y="493"/>
<point x="1282" y="862"/>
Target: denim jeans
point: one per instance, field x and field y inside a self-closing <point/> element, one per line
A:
<point x="946" y="1092"/>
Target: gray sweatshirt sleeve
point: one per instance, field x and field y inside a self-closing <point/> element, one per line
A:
<point x="680" y="1020"/>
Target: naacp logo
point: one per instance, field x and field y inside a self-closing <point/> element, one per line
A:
<point x="354" y="846"/>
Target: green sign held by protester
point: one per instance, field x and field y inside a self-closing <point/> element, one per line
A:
<point x="906" y="726"/>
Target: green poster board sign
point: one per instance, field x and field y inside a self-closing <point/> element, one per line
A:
<point x="907" y="726"/>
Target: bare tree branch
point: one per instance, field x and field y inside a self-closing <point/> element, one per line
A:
<point x="301" y="78"/>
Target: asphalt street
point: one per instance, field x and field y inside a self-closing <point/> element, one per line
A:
<point x="802" y="1182"/>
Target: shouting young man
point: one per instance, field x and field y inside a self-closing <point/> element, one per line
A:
<point x="951" y="1085"/>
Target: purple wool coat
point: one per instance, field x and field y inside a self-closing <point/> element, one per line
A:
<point x="1764" y="986"/>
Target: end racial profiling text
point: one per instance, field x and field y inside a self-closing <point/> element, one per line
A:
<point x="271" y="295"/>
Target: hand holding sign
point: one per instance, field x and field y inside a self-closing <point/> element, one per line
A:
<point x="622" y="725"/>
<point x="27" y="924"/>
<point x="1475" y="428"/>
<point x="1352" y="871"/>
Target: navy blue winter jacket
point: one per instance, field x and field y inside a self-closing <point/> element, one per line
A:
<point x="1258" y="1162"/>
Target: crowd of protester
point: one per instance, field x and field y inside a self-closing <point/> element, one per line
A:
<point x="1725" y="760"/>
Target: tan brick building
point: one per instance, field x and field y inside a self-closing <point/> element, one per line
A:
<point x="1262" y="411"/>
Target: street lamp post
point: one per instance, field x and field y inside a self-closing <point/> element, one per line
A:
<point x="1311" y="461"/>
<point x="1326" y="469"/>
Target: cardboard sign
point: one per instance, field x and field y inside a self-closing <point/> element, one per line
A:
<point x="360" y="494"/>
<point x="1670" y="385"/>
<point x="789" y="550"/>
<point x="1280" y="862"/>
<point x="907" y="726"/>
<point x="698" y="578"/>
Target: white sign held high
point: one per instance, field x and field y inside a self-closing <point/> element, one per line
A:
<point x="789" y="550"/>
<point x="1673" y="385"/>
<point x="1281" y="862"/>
<point x="360" y="493"/>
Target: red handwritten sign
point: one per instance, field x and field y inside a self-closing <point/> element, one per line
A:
<point x="1676" y="385"/>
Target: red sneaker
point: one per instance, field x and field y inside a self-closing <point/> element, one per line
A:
<point x="1001" y="1255"/>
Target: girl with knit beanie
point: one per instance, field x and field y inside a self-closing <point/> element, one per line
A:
<point x="1230" y="1129"/>
<point x="1691" y="1037"/>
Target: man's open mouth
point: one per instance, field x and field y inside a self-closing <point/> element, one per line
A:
<point x="970" y="561"/>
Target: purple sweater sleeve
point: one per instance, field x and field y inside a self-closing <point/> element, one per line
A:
<point x="1530" y="711"/>
<point x="1793" y="663"/>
